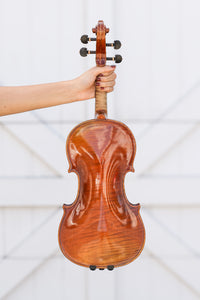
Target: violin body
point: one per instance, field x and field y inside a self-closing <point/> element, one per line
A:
<point x="101" y="227"/>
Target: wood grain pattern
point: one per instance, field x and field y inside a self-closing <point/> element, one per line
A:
<point x="101" y="227"/>
<point x="100" y="103"/>
<point x="100" y="96"/>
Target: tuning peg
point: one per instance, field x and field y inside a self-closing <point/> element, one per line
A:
<point x="117" y="58"/>
<point x="85" y="39"/>
<point x="117" y="44"/>
<point x="84" y="52"/>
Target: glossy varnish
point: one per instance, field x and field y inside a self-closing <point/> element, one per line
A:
<point x="101" y="227"/>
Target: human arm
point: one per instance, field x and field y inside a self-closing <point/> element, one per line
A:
<point x="25" y="98"/>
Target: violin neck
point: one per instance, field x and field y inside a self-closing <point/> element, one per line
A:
<point x="100" y="103"/>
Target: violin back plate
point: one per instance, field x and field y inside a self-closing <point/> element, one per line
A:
<point x="101" y="227"/>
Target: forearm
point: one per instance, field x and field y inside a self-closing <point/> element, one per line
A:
<point x="24" y="98"/>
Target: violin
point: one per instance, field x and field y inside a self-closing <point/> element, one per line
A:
<point x="101" y="228"/>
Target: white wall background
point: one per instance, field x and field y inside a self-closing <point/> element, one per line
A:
<point x="157" y="96"/>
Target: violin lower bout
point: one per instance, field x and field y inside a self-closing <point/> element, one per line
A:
<point x="99" y="244"/>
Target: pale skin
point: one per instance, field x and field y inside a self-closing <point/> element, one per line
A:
<point x="25" y="98"/>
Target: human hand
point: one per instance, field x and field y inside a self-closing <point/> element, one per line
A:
<point x="104" y="77"/>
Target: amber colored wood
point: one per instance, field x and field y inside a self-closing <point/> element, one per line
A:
<point x="100" y="96"/>
<point x="101" y="102"/>
<point x="101" y="227"/>
<point x="100" y="44"/>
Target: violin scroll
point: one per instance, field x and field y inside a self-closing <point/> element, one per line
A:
<point x="100" y="30"/>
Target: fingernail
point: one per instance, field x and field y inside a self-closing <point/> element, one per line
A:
<point x="98" y="79"/>
<point x="102" y="88"/>
<point x="100" y="75"/>
<point x="97" y="83"/>
<point x="113" y="66"/>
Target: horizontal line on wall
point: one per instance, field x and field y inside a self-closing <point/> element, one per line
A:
<point x="135" y="121"/>
<point x="29" y="177"/>
<point x="57" y="191"/>
<point x="146" y="206"/>
<point x="60" y="255"/>
<point x="59" y="122"/>
<point x="153" y="176"/>
<point x="164" y="121"/>
<point x="164" y="176"/>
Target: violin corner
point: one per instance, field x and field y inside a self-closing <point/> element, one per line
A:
<point x="131" y="169"/>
